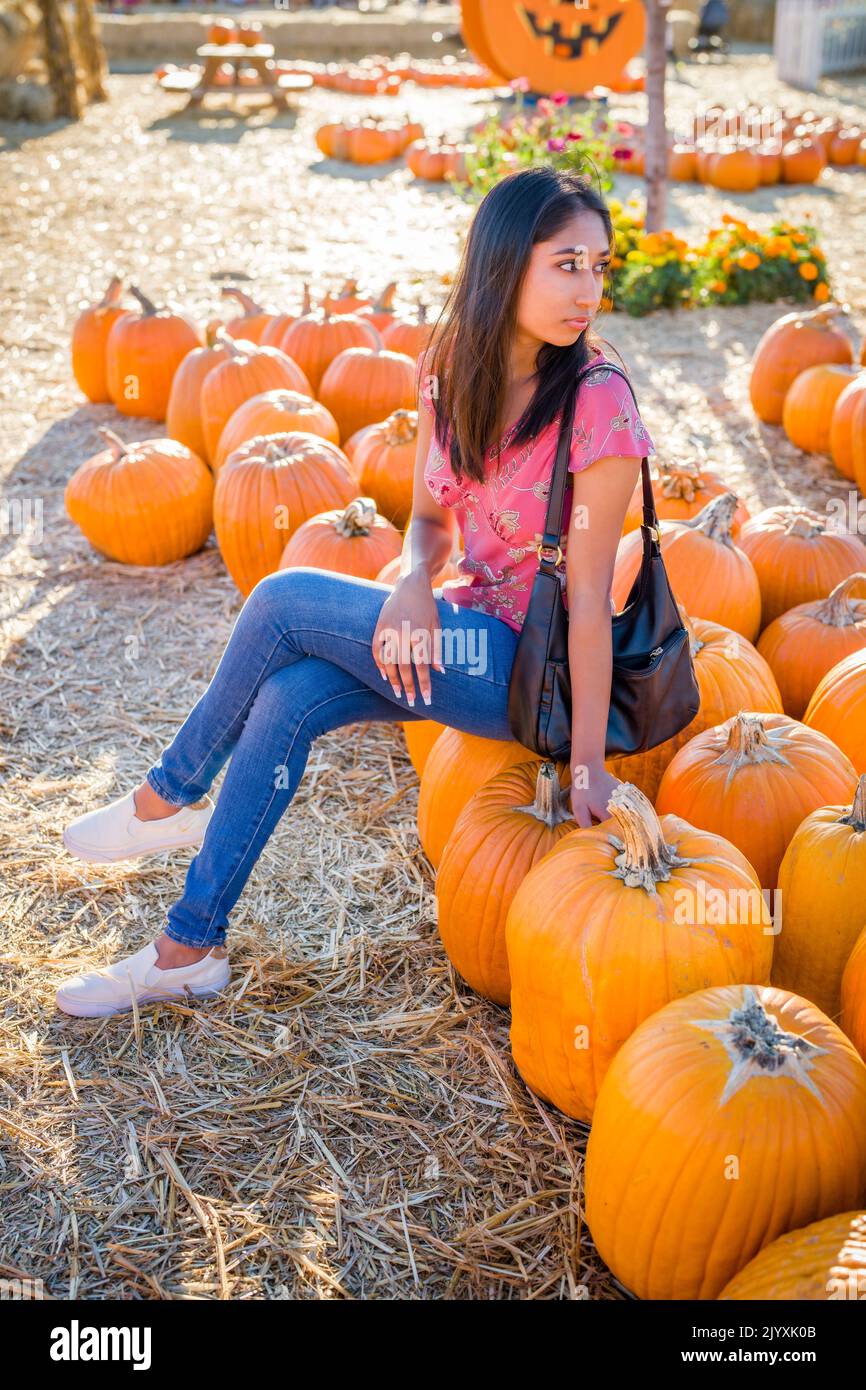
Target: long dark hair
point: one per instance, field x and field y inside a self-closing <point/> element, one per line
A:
<point x="468" y="358"/>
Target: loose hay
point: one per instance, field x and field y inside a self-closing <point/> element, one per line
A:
<point x="346" y="1122"/>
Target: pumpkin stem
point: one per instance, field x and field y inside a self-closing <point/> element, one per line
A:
<point x="401" y="427"/>
<point x="357" y="519"/>
<point x="422" y="311"/>
<point x="274" y="452"/>
<point x="835" y="610"/>
<point x="385" y="303"/>
<point x="644" y="856"/>
<point x="757" y="1045"/>
<point x="551" y="803"/>
<point x="306" y="302"/>
<point x="804" y="523"/>
<point x="236" y="347"/>
<point x="248" y="305"/>
<point x="114" y="440"/>
<point x="682" y="481"/>
<point x="716" y="518"/>
<point x="750" y="741"/>
<point x="113" y="293"/>
<point x="856" y="817"/>
<point x="147" y="305"/>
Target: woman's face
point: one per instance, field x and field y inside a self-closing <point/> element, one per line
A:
<point x="564" y="281"/>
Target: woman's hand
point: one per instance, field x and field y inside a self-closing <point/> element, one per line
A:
<point x="591" y="799"/>
<point x="412" y="603"/>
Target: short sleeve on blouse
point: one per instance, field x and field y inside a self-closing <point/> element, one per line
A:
<point x="606" y="422"/>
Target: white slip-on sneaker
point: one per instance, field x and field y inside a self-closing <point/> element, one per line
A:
<point x="115" y="832"/>
<point x="96" y="993"/>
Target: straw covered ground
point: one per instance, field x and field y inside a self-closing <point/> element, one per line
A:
<point x="347" y="1122"/>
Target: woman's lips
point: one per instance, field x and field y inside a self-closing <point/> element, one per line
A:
<point x="579" y="323"/>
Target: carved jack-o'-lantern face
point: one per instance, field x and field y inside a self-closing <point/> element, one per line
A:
<point x="558" y="46"/>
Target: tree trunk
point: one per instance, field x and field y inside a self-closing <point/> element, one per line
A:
<point x="91" y="54"/>
<point x="656" y="158"/>
<point x="59" y="60"/>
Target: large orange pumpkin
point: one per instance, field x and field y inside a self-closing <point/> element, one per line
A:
<point x="729" y="1117"/>
<point x="274" y="412"/>
<point x="790" y="345"/>
<point x="753" y="779"/>
<point x="89" y="338"/>
<point x="615" y="921"/>
<point x="797" y="557"/>
<point x="143" y="351"/>
<point x="731" y="675"/>
<point x="822" y="881"/>
<point x="147" y="503"/>
<point x="402" y="335"/>
<point x="556" y="46"/>
<point x="807" y="414"/>
<point x="365" y="385"/>
<point x="848" y="425"/>
<point x="838" y="707"/>
<point x="709" y="574"/>
<point x="266" y="490"/>
<point x="353" y="540"/>
<point x="183" y="413"/>
<point x="504" y="829"/>
<point x="821" y="1261"/>
<point x="457" y="766"/>
<point x="420" y="735"/>
<point x="681" y="490"/>
<point x="853" y="993"/>
<point x="385" y="458"/>
<point x="247" y="371"/>
<point x="315" y="339"/>
<point x="252" y="321"/>
<point x="802" y="644"/>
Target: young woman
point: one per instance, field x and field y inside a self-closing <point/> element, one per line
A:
<point x="312" y="650"/>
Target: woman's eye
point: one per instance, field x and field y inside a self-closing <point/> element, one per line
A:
<point x="599" y="269"/>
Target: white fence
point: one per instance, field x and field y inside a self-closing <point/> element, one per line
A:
<point x="816" y="37"/>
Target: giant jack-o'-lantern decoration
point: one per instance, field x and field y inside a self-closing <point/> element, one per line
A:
<point x="558" y="45"/>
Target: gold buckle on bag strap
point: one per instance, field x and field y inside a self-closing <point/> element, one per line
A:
<point x="655" y="532"/>
<point x="549" y="557"/>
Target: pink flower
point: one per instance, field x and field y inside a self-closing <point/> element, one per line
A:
<point x="556" y="144"/>
<point x="519" y="84"/>
<point x="559" y="98"/>
<point x="624" y="128"/>
<point x="623" y="153"/>
<point x="544" y="107"/>
<point x="574" y="135"/>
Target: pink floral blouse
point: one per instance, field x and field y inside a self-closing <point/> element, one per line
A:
<point x="502" y="520"/>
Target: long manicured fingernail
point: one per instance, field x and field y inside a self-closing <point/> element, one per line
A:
<point x="397" y="691"/>
<point x="425" y="696"/>
<point x="383" y="675"/>
<point x="410" y="700"/>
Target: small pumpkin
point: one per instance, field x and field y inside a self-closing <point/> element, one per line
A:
<point x="252" y="322"/>
<point x="267" y="489"/>
<point x="848" y="426"/>
<point x="822" y="882"/>
<point x="802" y="161"/>
<point x="636" y="911"/>
<point x="420" y="735"/>
<point x="183" y="413"/>
<point x="709" y="574"/>
<point x="681" y="490"/>
<point x="273" y="334"/>
<point x="796" y="557"/>
<point x="802" y="644"/>
<point x="315" y="339"/>
<point x="458" y="765"/>
<point x="503" y="830"/>
<point x="364" y="385"/>
<point x="790" y="345"/>
<point x="274" y="412"/>
<point x="821" y="1261"/>
<point x="386" y="460"/>
<point x="89" y="340"/>
<point x="807" y="414"/>
<point x="853" y="995"/>
<point x="766" y="761"/>
<point x="735" y="169"/>
<point x="347" y="300"/>
<point x="246" y="372"/>
<point x="143" y="351"/>
<point x="352" y="540"/>
<point x="729" y="1117"/>
<point x="838" y="707"/>
<point x="402" y="335"/>
<point x="147" y="503"/>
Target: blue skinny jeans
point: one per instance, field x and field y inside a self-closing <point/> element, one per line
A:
<point x="298" y="664"/>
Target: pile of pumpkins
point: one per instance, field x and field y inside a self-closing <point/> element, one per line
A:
<point x="375" y="140"/>
<point x="715" y="1046"/>
<point x="287" y="434"/>
<point x="742" y="161"/>
<point x="805" y="379"/>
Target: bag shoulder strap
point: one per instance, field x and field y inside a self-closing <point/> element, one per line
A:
<point x="548" y="551"/>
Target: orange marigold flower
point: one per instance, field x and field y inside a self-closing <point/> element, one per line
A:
<point x="809" y="271"/>
<point x="719" y="286"/>
<point x="749" y="260"/>
<point x="822" y="292"/>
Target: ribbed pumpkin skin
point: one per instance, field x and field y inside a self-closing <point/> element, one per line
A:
<point x="821" y="1261"/>
<point x="790" y="345"/>
<point x="684" y="1187"/>
<point x="274" y="412"/>
<point x="183" y="413"/>
<point x="242" y="376"/>
<point x="680" y="493"/>
<point x="838" y="707"/>
<point x="731" y="676"/>
<point x="318" y="543"/>
<point x="801" y="649"/>
<point x="490" y="851"/>
<point x="313" y="341"/>
<point x="407" y="337"/>
<point x="89" y="339"/>
<point x="793" y="568"/>
<point x="853" y="1020"/>
<point x="385" y="457"/>
<point x="363" y="386"/>
<point x="807" y="414"/>
<point x="711" y="580"/>
<point x="822" y="880"/>
<point x="420" y="735"/>
<point x="142" y="353"/>
<point x="150" y="507"/>
<point x="849" y="417"/>
<point x="309" y="477"/>
<point x="457" y="766"/>
<point x="757" y="805"/>
<point x="601" y="956"/>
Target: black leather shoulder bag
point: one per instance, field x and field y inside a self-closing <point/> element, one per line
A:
<point x="654" y="693"/>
